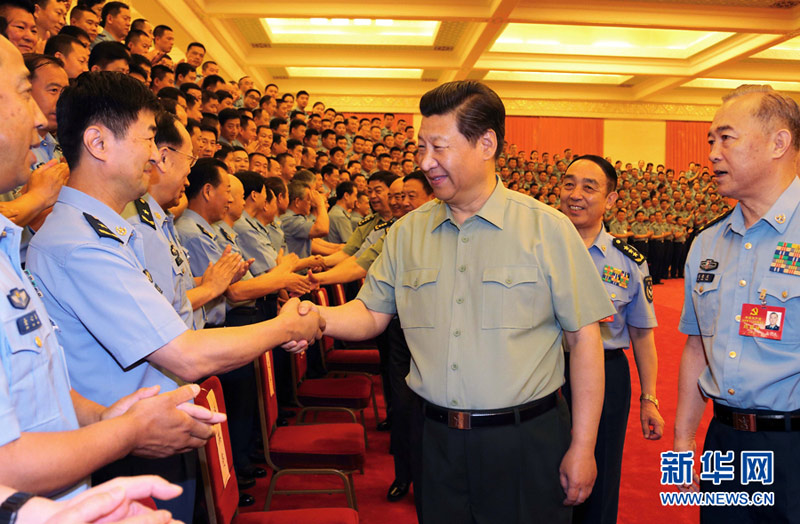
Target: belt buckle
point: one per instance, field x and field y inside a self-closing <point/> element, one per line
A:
<point x="459" y="420"/>
<point x="744" y="421"/>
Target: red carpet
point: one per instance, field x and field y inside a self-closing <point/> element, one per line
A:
<point x="639" y="500"/>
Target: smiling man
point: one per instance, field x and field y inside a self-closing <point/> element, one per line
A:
<point x="484" y="283"/>
<point x="732" y="271"/>
<point x="588" y="190"/>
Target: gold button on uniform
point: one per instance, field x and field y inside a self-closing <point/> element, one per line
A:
<point x="738" y="318"/>
<point x="742" y="283"/>
<point x="509" y="281"/>
<point x="462" y="268"/>
<point x="732" y="354"/>
<point x="38" y="342"/>
<point x="457" y="333"/>
<point x="700" y="289"/>
<point x="731" y="391"/>
<point x="454" y="402"/>
<point x="454" y="366"/>
<point x="784" y="294"/>
<point x="464" y="240"/>
<point x="613" y="295"/>
<point x="459" y="300"/>
<point x="748" y="245"/>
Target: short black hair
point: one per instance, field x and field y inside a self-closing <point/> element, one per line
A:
<point x="113" y="9"/>
<point x="605" y="165"/>
<point x="477" y="109"/>
<point x="25" y="5"/>
<point x="297" y="123"/>
<point x="275" y="184"/>
<point x="344" y="188"/>
<point x="106" y="52"/>
<point x="301" y="92"/>
<point x="228" y="114"/>
<point x="34" y="61"/>
<point x="205" y="171"/>
<point x="276" y="122"/>
<point x="385" y="177"/>
<point x="60" y="43"/>
<point x="251" y="181"/>
<point x="134" y="33"/>
<point x="172" y="93"/>
<point x="113" y="100"/>
<point x="196" y="44"/>
<point x="159" y="71"/>
<point x="420" y="176"/>
<point x="75" y="32"/>
<point x="159" y="30"/>
<point x="212" y="80"/>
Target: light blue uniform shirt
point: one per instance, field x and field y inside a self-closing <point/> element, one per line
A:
<point x="746" y="372"/>
<point x="341" y="226"/>
<point x="254" y="242"/>
<point x="34" y="385"/>
<point x="199" y="238"/>
<point x="46" y="151"/>
<point x="624" y="281"/>
<point x="167" y="261"/>
<point x="296" y="229"/>
<point x="276" y="236"/>
<point x="95" y="284"/>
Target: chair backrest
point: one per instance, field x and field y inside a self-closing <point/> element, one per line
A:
<point x="320" y="297"/>
<point x="339" y="298"/>
<point x="299" y="366"/>
<point x="267" y="398"/>
<point x="222" y="491"/>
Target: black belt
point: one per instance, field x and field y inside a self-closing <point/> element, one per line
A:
<point x="758" y="421"/>
<point x="503" y="417"/>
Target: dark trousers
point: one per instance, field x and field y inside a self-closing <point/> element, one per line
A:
<point x="406" y="424"/>
<point x="786" y="485"/>
<point x="678" y="259"/>
<point x="656" y="259"/>
<point x="382" y="341"/>
<point x="602" y="504"/>
<point x="240" y="391"/>
<point x="179" y="469"/>
<point x="496" y="474"/>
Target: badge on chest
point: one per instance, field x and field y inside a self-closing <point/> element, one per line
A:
<point x="762" y="321"/>
<point x="786" y="259"/>
<point x="616" y="276"/>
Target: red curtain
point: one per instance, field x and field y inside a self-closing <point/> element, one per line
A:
<point x="687" y="142"/>
<point x="554" y="134"/>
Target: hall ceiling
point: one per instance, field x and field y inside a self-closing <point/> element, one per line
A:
<point x="650" y="51"/>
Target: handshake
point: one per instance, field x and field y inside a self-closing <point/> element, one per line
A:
<point x="303" y="324"/>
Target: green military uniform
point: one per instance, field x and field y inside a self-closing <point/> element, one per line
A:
<point x="641" y="245"/>
<point x="482" y="306"/>
<point x="618" y="228"/>
<point x="658" y="251"/>
<point x="362" y="231"/>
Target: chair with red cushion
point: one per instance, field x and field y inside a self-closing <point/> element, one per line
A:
<point x="351" y="360"/>
<point x="330" y="449"/>
<point x="346" y="394"/>
<point x="219" y="479"/>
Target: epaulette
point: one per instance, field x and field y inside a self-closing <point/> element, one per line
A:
<point x="253" y="226"/>
<point x="384" y="225"/>
<point x="206" y="233"/>
<point x="723" y="216"/>
<point x="145" y="215"/>
<point x="100" y="228"/>
<point x="629" y="251"/>
<point x="226" y="235"/>
<point x="366" y="219"/>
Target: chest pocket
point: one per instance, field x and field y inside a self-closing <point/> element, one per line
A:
<point x="509" y="297"/>
<point x="416" y="300"/>
<point x="619" y="295"/>
<point x="32" y="374"/>
<point x="706" y="299"/>
<point x="784" y="291"/>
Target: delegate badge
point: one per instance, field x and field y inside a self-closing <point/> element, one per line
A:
<point x="762" y="321"/>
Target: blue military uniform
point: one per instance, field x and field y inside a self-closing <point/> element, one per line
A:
<point x="90" y="266"/>
<point x="34" y="386"/>
<point x="296" y="229"/>
<point x="254" y="242"/>
<point x="753" y="381"/>
<point x="200" y="240"/>
<point x="630" y="288"/>
<point x="167" y="261"/>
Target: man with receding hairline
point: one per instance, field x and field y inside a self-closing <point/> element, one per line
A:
<point x="741" y="268"/>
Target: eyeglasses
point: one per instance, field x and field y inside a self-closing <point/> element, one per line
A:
<point x="194" y="158"/>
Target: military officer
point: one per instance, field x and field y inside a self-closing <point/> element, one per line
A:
<point x="741" y="268"/>
<point x="588" y="188"/>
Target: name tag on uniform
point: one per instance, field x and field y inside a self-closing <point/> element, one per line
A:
<point x="607" y="319"/>
<point x="28" y="323"/>
<point x="705" y="277"/>
<point x="762" y="321"/>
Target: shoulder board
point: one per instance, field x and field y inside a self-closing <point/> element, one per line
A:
<point x="145" y="215"/>
<point x="383" y="225"/>
<point x="366" y="219"/>
<point x="253" y="226"/>
<point x="629" y="251"/>
<point x="100" y="228"/>
<point x="206" y="233"/>
<point x="723" y="216"/>
<point x="226" y="235"/>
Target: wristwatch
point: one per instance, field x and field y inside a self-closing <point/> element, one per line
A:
<point x="649" y="398"/>
<point x="11" y="506"/>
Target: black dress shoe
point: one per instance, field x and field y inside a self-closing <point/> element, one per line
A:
<point x="397" y="491"/>
<point x="245" y="482"/>
<point x="254" y="472"/>
<point x="385" y="425"/>
<point x="281" y="422"/>
<point x="246" y="500"/>
<point x="257" y="457"/>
